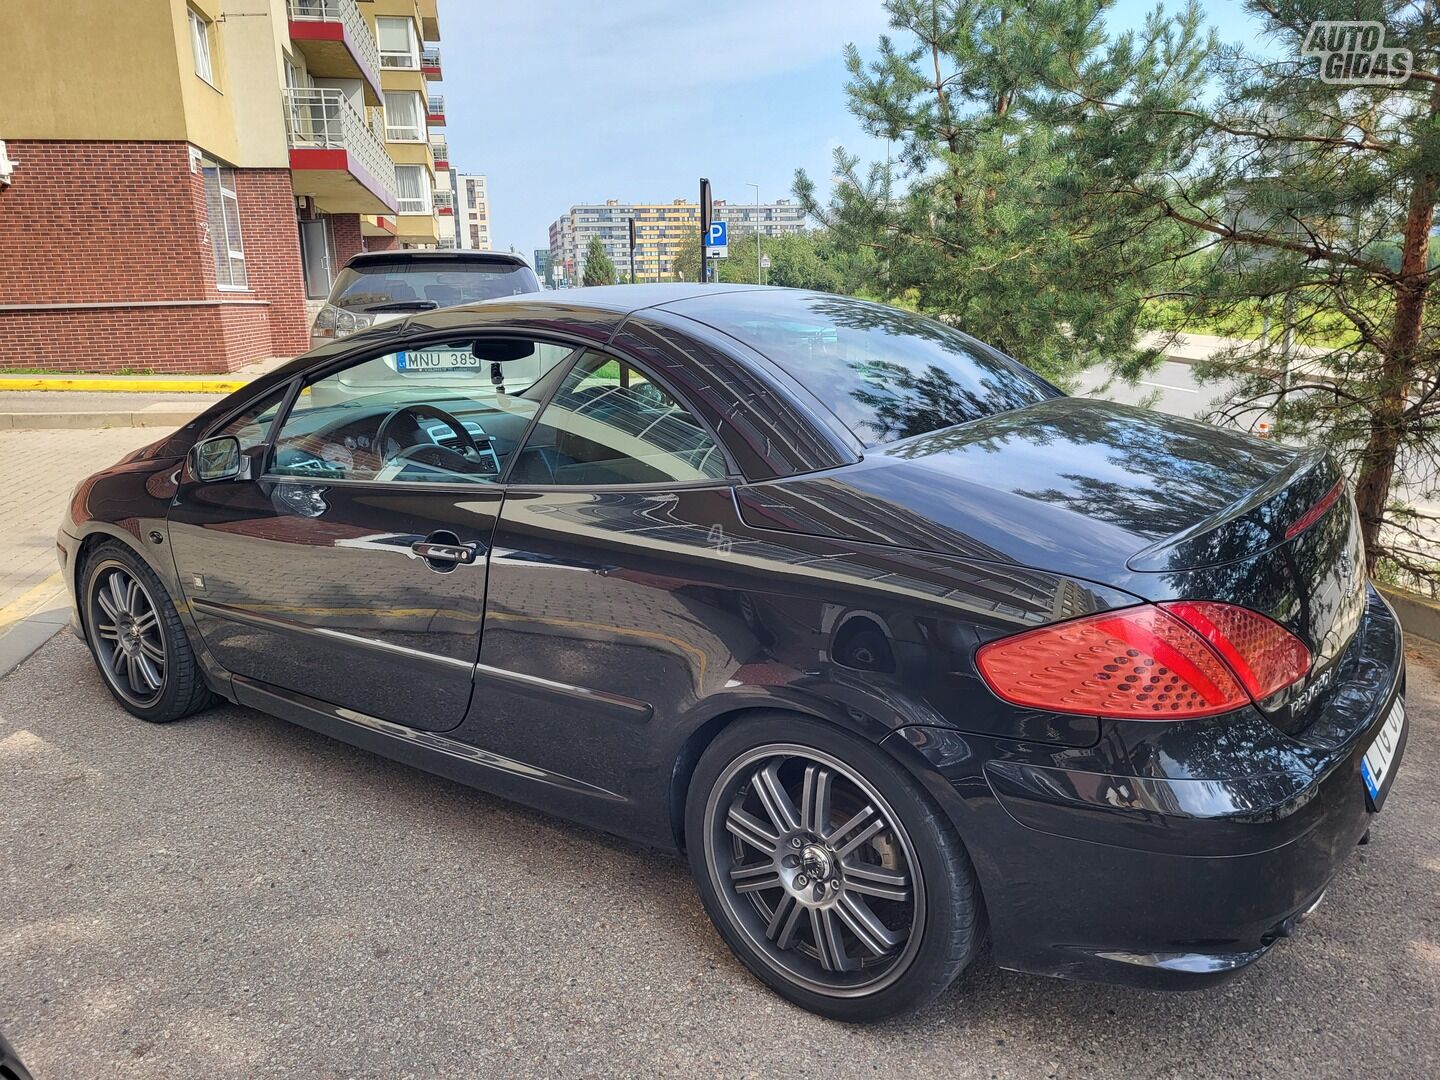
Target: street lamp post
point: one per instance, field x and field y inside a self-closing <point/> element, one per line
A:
<point x="757" y="231"/>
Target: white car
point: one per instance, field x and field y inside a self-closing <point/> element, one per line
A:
<point x="380" y="285"/>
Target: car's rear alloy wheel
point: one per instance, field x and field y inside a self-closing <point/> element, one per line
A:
<point x="137" y="639"/>
<point x="128" y="642"/>
<point x="813" y="861"/>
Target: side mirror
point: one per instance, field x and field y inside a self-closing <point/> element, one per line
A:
<point x="220" y="459"/>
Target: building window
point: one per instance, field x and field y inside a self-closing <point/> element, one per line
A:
<point x="396" y="38"/>
<point x="222" y="209"/>
<point x="403" y="120"/>
<point x="412" y="189"/>
<point x="200" y="46"/>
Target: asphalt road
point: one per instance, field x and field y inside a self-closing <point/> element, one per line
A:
<point x="235" y="897"/>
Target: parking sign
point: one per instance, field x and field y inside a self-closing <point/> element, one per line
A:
<point x="716" y="241"/>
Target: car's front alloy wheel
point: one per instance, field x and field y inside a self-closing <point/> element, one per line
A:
<point x="128" y="644"/>
<point x="820" y="862"/>
<point x="136" y="636"/>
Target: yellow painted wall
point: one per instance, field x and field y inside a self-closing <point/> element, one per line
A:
<point x="255" y="74"/>
<point x="91" y="69"/>
<point x="411" y="153"/>
<point x="209" y="121"/>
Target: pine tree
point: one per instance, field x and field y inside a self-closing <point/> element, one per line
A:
<point x="599" y="270"/>
<point x="980" y="213"/>
<point x="1308" y="207"/>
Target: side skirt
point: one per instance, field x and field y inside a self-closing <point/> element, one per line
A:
<point x="426" y="750"/>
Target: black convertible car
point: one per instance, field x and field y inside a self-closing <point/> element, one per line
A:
<point x="898" y="643"/>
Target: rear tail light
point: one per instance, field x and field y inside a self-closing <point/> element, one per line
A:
<point x="334" y="322"/>
<point x="1266" y="657"/>
<point x="1176" y="661"/>
<point x="1316" y="512"/>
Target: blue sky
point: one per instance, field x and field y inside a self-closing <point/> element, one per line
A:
<point x="566" y="101"/>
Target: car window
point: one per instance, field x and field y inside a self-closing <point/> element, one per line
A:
<point x="252" y="426"/>
<point x="886" y="374"/>
<point x="377" y="286"/>
<point x="609" y="424"/>
<point x="448" y="414"/>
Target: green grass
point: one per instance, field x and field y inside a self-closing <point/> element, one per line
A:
<point x="75" y="374"/>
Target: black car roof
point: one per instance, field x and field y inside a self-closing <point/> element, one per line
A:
<point x="436" y="255"/>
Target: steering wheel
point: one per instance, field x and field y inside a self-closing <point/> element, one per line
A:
<point x="463" y="438"/>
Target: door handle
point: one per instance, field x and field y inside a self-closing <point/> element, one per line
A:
<point x="445" y="553"/>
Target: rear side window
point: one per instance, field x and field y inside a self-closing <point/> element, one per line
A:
<point x="886" y="374"/>
<point x="609" y="424"/>
<point x="417" y="283"/>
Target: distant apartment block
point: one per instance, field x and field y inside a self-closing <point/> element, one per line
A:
<point x="473" y="211"/>
<point x="196" y="170"/>
<point x="661" y="232"/>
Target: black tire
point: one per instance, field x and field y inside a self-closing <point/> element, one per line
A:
<point x="179" y="689"/>
<point x="816" y="883"/>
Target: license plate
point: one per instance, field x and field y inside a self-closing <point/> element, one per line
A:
<point x="1375" y="766"/>
<point x="436" y="360"/>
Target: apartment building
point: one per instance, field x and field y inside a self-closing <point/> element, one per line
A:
<point x="661" y="232"/>
<point x="472" y="211"/>
<point x="196" y="170"/>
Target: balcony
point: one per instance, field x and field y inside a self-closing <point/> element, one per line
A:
<point x="445" y="203"/>
<point x="430" y="62"/>
<point x="335" y="156"/>
<point x="336" y="42"/>
<point x="435" y="110"/>
<point x="441" y="150"/>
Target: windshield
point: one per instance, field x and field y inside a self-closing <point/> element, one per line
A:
<point x="886" y="374"/>
<point x="376" y="286"/>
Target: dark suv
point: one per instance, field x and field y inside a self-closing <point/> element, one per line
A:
<point x="381" y="285"/>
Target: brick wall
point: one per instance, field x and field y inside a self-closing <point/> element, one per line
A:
<point x="272" y="256"/>
<point x="124" y="227"/>
<point x="381" y="243"/>
<point x="346" y="237"/>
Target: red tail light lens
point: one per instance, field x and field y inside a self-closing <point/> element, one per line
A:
<point x="1266" y="657"/>
<point x="1143" y="663"/>
<point x="1316" y="512"/>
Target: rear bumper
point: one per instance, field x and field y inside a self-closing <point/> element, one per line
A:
<point x="1115" y="863"/>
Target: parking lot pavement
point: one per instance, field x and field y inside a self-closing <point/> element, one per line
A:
<point x="232" y="896"/>
<point x="41" y="468"/>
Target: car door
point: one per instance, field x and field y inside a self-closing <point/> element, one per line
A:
<point x="607" y="606"/>
<point x="351" y="567"/>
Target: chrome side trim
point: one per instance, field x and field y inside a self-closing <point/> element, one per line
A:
<point x="276" y="622"/>
<point x="630" y="708"/>
<point x="435" y="752"/>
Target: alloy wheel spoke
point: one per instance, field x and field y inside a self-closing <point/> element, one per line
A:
<point x="117" y="593"/>
<point x="878" y="938"/>
<point x="148" y="672"/>
<point x="754" y="878"/>
<point x="106" y="605"/>
<point x="784" y="922"/>
<point x="856" y="831"/>
<point x="876" y="881"/>
<point x="117" y="660"/>
<point x="108" y="631"/>
<point x="776" y="799"/>
<point x="152" y="650"/>
<point x="146" y="622"/>
<point x="815" y="799"/>
<point x="828" y="940"/>
<point x="751" y="830"/>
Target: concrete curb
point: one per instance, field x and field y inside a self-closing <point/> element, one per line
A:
<point x="120" y="384"/>
<point x="1419" y="615"/>
<point x="153" y="416"/>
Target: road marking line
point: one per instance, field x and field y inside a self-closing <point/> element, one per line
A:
<point x="1167" y="386"/>
<point x="31" y="600"/>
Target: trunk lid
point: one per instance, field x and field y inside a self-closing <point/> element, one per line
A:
<point x="1156" y="505"/>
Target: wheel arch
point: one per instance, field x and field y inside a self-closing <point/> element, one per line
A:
<point x="842" y="718"/>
